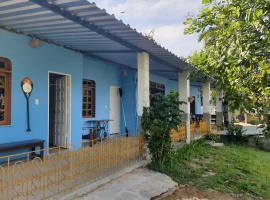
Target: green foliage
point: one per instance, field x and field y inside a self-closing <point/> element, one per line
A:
<point x="254" y="122"/>
<point x="263" y="143"/>
<point x="236" y="132"/>
<point x="213" y="137"/>
<point x="266" y="127"/>
<point x="178" y="168"/>
<point x="207" y="1"/>
<point x="236" y="34"/>
<point x="157" y="121"/>
<point x="266" y="130"/>
<point x="237" y="169"/>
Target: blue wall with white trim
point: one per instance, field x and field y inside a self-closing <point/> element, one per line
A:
<point x="35" y="63"/>
<point x="173" y="85"/>
<point x="169" y="84"/>
<point x="196" y="91"/>
<point x="106" y="75"/>
<point x="129" y="86"/>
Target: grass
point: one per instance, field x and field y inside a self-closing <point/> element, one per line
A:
<point x="232" y="168"/>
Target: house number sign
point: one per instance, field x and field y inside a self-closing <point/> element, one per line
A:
<point x="27" y="88"/>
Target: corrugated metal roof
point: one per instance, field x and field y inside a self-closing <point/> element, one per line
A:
<point x="82" y="26"/>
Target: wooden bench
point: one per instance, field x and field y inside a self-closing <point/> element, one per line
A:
<point x="26" y="144"/>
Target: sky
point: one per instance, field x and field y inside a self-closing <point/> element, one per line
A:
<point x="165" y="17"/>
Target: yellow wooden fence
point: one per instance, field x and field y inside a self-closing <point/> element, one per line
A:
<point x="203" y="128"/>
<point x="196" y="130"/>
<point x="178" y="135"/>
<point x="215" y="129"/>
<point x="66" y="169"/>
<point x="193" y="129"/>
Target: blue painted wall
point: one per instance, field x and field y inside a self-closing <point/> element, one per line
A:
<point x="169" y="84"/>
<point x="106" y="75"/>
<point x="35" y="63"/>
<point x="195" y="91"/>
<point x="173" y="85"/>
<point x="129" y="85"/>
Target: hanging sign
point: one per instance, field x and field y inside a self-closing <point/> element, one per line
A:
<point x="27" y="88"/>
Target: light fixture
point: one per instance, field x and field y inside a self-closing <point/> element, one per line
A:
<point x="125" y="73"/>
<point x="35" y="42"/>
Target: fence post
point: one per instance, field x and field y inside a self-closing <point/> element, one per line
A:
<point x="58" y="170"/>
<point x="8" y="178"/>
<point x="65" y="167"/>
<point x="43" y="172"/>
<point x="3" y="175"/>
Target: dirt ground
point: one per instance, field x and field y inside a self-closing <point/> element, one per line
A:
<point x="193" y="193"/>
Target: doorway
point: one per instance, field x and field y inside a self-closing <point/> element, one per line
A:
<point x="114" y="110"/>
<point x="193" y="106"/>
<point x="59" y="110"/>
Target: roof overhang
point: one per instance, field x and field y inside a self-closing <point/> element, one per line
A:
<point x="82" y="26"/>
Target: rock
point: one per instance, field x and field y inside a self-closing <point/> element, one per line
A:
<point x="217" y="144"/>
<point x="194" y="198"/>
<point x="182" y="186"/>
<point x="139" y="184"/>
<point x="210" y="173"/>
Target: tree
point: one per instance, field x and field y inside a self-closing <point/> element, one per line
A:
<point x="150" y="35"/>
<point x="157" y="122"/>
<point x="236" y="34"/>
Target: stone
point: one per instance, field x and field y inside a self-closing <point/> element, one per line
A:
<point x="139" y="184"/>
<point x="217" y="144"/>
<point x="210" y="173"/>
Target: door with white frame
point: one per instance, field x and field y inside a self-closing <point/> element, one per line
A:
<point x="114" y="110"/>
<point x="59" y="110"/>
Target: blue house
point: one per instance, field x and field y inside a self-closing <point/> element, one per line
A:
<point x="82" y="65"/>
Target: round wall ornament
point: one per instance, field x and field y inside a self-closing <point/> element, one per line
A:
<point x="27" y="88"/>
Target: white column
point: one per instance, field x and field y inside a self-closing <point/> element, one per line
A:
<point x="184" y="93"/>
<point x="231" y="116"/>
<point x="143" y="84"/>
<point x="219" y="108"/>
<point x="246" y="118"/>
<point x="206" y="92"/>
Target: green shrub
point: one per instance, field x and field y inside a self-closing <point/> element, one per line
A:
<point x="157" y="121"/>
<point x="213" y="137"/>
<point x="254" y="122"/>
<point x="236" y="132"/>
<point x="263" y="143"/>
<point x="266" y="129"/>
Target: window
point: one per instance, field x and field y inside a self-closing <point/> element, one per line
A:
<point x="156" y="88"/>
<point x="89" y="98"/>
<point x="5" y="91"/>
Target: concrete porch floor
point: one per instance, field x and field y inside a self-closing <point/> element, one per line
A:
<point x="139" y="184"/>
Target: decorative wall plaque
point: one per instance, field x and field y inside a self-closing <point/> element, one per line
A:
<point x="27" y="88"/>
